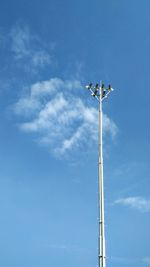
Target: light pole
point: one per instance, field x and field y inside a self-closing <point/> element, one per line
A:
<point x="100" y="93"/>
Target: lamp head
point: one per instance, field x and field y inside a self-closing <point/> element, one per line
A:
<point x="89" y="86"/>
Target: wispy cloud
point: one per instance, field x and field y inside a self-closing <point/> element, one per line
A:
<point x="146" y="260"/>
<point x="138" y="203"/>
<point x="20" y="41"/>
<point x="26" y="46"/>
<point x="59" y="117"/>
<point x="52" y="109"/>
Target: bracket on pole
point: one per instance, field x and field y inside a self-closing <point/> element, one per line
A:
<point x="99" y="90"/>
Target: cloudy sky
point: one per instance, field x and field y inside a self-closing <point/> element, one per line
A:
<point x="49" y="132"/>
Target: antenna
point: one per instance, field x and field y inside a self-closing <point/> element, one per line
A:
<point x="100" y="93"/>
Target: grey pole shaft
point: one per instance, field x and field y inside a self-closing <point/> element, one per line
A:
<point x="102" y="256"/>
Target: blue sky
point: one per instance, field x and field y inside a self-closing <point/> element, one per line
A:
<point x="48" y="136"/>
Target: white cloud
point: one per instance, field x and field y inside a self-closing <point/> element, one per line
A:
<point x="27" y="47"/>
<point x="41" y="58"/>
<point x="146" y="260"/>
<point x="46" y="87"/>
<point x="109" y="125"/>
<point x="59" y="117"/>
<point x="47" y="115"/>
<point x="26" y="105"/>
<point x="20" y="41"/>
<point x="78" y="135"/>
<point x="138" y="203"/>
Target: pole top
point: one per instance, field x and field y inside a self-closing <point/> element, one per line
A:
<point x="99" y="91"/>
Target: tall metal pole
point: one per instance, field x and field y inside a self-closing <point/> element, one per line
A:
<point x="101" y="252"/>
<point x="100" y="93"/>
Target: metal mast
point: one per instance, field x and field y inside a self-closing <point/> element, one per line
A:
<point x="101" y="252"/>
<point x="100" y="93"/>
